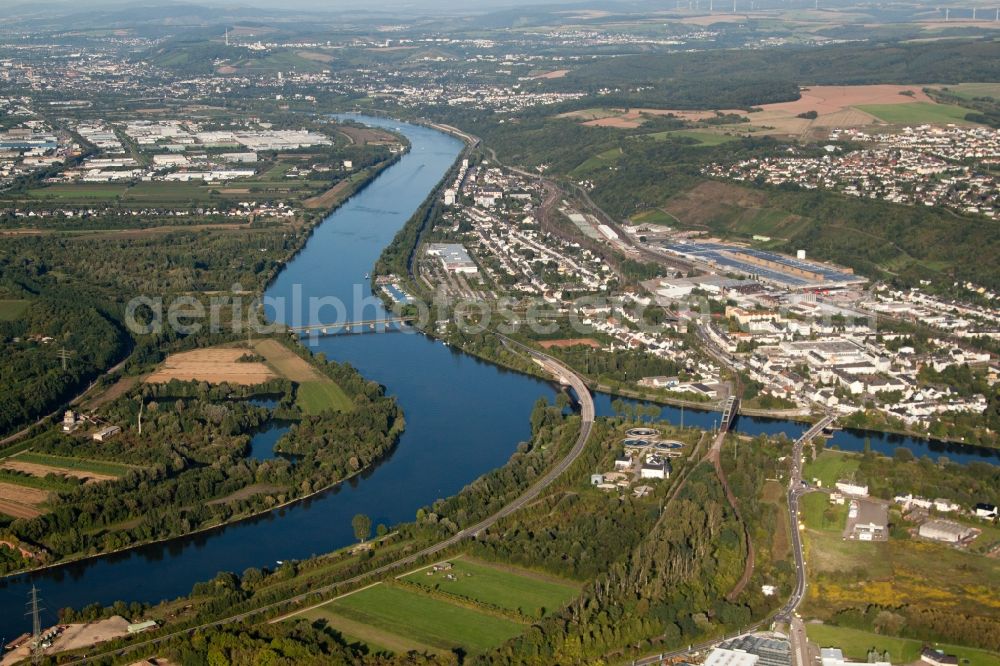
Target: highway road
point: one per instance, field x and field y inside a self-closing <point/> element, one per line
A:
<point x="587" y="413"/>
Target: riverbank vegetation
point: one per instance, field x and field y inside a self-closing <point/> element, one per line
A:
<point x="188" y="468"/>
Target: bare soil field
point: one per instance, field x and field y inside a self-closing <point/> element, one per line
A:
<point x="554" y="74"/>
<point x="633" y="118"/>
<point x="330" y="198"/>
<point x="15" y="510"/>
<point x="365" y="135"/>
<point x="592" y="114"/>
<point x="214" y="365"/>
<point x="21" y="502"/>
<point x="835" y="106"/>
<point x="77" y="636"/>
<point x="34" y="469"/>
<point x="315" y="56"/>
<point x="286" y="363"/>
<point x="832" y="99"/>
<point x="571" y="342"/>
<point x="113" y="392"/>
<point x="618" y="122"/>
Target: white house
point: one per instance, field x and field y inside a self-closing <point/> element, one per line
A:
<point x="849" y="488"/>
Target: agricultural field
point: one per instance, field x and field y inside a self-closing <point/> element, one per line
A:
<point x="336" y="194"/>
<point x="855" y="643"/>
<point x="316" y="392"/>
<point x="80" y="467"/>
<point x="362" y="136"/>
<point x="531" y="594"/>
<point x="973" y="90"/>
<point x="919" y="113"/>
<point x="11" y="310"/>
<point x="402" y="619"/>
<point x="834" y="106"/>
<point x="21" y="501"/>
<point x="88" y="192"/>
<point x="314" y="397"/>
<point x="24" y="466"/>
<point x="703" y="138"/>
<point x="214" y="365"/>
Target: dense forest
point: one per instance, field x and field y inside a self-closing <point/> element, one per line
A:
<point x="743" y="79"/>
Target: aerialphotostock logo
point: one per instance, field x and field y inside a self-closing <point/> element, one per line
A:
<point x="240" y="312"/>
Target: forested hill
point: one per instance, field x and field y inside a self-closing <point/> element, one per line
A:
<point x="717" y="79"/>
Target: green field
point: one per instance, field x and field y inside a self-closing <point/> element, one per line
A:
<point x="973" y="90"/>
<point x="916" y="113"/>
<point x="78" y="191"/>
<point x="818" y="514"/>
<point x="831" y="466"/>
<point x="318" y="396"/>
<point x="654" y="216"/>
<point x="856" y="643"/>
<point x="13" y="309"/>
<point x="531" y="594"/>
<point x="82" y="464"/>
<point x="599" y="161"/>
<point x="702" y="138"/>
<point x="392" y="615"/>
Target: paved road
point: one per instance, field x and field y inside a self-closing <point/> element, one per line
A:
<point x="787" y="612"/>
<point x="795" y="491"/>
<point x="587" y="412"/>
<point x="797" y="633"/>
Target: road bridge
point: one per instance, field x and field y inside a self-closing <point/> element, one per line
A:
<point x="356" y="326"/>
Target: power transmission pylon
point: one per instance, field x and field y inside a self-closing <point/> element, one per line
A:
<point x="64" y="356"/>
<point x="36" y="627"/>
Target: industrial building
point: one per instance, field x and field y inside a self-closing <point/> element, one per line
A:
<point x="724" y="657"/>
<point x="870" y="520"/>
<point x="945" y="530"/>
<point x="771" y="651"/>
<point x="453" y="257"/>
<point x="769" y="267"/>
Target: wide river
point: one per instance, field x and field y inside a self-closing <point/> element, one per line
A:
<point x="464" y="417"/>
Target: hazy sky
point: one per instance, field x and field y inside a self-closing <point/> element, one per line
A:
<point x="320" y="5"/>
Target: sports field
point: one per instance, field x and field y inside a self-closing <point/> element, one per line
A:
<point x="917" y="113"/>
<point x="532" y="594"/>
<point x="406" y="619"/>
